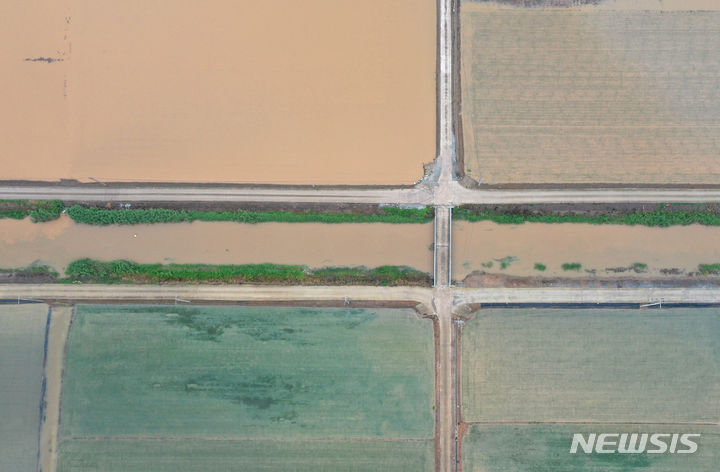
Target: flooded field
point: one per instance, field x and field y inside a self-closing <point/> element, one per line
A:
<point x="166" y="384"/>
<point x="604" y="250"/>
<point x="283" y="92"/>
<point x="620" y="92"/>
<point x="22" y="335"/>
<point x="59" y="242"/>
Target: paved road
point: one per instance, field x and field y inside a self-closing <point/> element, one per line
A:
<point x="237" y="293"/>
<point x="442" y="266"/>
<point x="443" y="199"/>
<point x="463" y="195"/>
<point x="447" y="411"/>
<point x="444" y="297"/>
<point x="451" y="193"/>
<point x="569" y="295"/>
<point x="421" y="195"/>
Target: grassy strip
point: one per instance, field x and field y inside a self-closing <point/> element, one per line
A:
<point x="101" y="216"/>
<point x="38" y="211"/>
<point x="661" y="217"/>
<point x="88" y="270"/>
<point x="709" y="269"/>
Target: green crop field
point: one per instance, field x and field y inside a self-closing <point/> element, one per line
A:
<point x="245" y="456"/>
<point x="280" y="375"/>
<point x="546" y="448"/>
<point x="22" y="337"/>
<point x="590" y="95"/>
<point x="625" y="366"/>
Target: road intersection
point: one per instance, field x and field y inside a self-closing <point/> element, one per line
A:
<point x="439" y="188"/>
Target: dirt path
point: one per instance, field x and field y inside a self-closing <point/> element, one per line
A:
<point x="219" y="293"/>
<point x="57" y="337"/>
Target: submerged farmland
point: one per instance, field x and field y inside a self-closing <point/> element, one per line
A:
<point x="57" y="243"/>
<point x="22" y="337"/>
<point x="546" y="249"/>
<point x="235" y="384"/>
<point x="281" y="92"/>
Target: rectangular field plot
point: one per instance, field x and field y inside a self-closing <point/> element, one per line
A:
<point x="248" y="374"/>
<point x="546" y="448"/>
<point x="22" y="338"/>
<point x="245" y="456"/>
<point x="237" y="91"/>
<point x="545" y="365"/>
<point x="591" y="94"/>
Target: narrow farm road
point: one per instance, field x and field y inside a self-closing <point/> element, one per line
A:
<point x="60" y="318"/>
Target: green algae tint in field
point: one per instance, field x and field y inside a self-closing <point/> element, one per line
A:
<point x="546" y="448"/>
<point x="248" y="373"/>
<point x="22" y="337"/>
<point x="246" y="456"/>
<point x="649" y="366"/>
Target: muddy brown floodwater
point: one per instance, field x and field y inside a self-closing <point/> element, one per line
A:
<point x="282" y="91"/>
<point x="596" y="247"/>
<point x="59" y="242"/>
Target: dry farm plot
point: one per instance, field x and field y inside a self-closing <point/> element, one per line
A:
<point x="619" y="92"/>
<point x="22" y="337"/>
<point x="315" y="383"/>
<point x="541" y="249"/>
<point x="57" y="243"/>
<point x="280" y="92"/>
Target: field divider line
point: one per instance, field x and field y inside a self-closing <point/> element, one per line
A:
<point x="238" y="439"/>
<point x="628" y="423"/>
